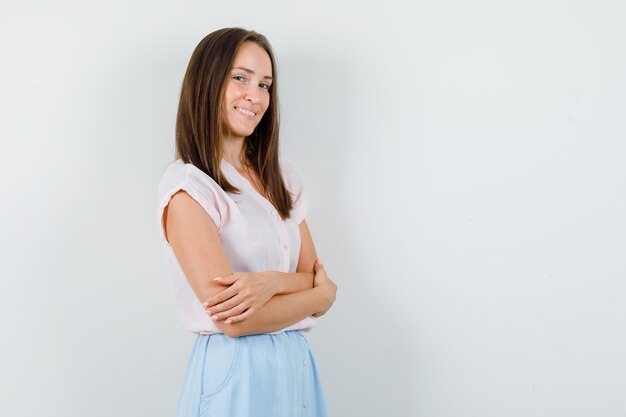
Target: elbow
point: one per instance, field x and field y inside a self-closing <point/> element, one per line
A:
<point x="232" y="333"/>
<point x="229" y="330"/>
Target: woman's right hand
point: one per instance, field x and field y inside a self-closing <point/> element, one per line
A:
<point x="327" y="286"/>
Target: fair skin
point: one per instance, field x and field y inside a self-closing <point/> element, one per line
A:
<point x="244" y="303"/>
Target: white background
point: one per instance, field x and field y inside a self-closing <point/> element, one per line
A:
<point x="464" y="167"/>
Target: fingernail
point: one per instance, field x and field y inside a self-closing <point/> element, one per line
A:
<point x="208" y="312"/>
<point x="214" y="317"/>
<point x="217" y="278"/>
<point x="205" y="304"/>
<point x="228" y="321"/>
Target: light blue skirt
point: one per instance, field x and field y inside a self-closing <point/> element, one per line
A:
<point x="263" y="375"/>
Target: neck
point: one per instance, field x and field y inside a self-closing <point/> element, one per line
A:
<point x="233" y="151"/>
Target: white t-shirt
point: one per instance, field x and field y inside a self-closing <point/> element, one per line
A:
<point x="253" y="235"/>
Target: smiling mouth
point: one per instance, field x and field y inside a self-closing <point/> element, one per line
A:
<point x="247" y="113"/>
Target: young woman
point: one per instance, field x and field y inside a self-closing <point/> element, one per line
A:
<point x="243" y="268"/>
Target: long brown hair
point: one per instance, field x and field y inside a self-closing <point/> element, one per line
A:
<point x="199" y="126"/>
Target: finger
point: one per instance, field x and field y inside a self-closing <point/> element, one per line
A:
<point x="232" y="312"/>
<point x="226" y="305"/>
<point x="240" y="317"/>
<point x="321" y="272"/>
<point x="221" y="296"/>
<point x="227" y="280"/>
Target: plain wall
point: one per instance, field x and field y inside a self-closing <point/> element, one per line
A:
<point x="464" y="168"/>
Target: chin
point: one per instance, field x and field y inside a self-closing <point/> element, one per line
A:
<point x="246" y="132"/>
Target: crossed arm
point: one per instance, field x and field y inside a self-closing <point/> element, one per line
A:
<point x="194" y="239"/>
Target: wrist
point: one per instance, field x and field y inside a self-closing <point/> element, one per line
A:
<point x="276" y="279"/>
<point x="289" y="282"/>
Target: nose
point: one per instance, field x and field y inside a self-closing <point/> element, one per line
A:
<point x="252" y="95"/>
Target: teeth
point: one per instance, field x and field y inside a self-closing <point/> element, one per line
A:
<point x="244" y="111"/>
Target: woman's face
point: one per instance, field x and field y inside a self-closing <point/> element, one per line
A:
<point x="247" y="90"/>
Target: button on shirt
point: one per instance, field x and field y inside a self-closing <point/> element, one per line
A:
<point x="252" y="233"/>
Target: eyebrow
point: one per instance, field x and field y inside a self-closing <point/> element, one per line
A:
<point x="249" y="71"/>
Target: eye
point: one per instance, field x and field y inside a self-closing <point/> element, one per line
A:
<point x="236" y="77"/>
<point x="267" y="87"/>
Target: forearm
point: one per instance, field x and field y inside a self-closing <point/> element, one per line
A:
<point x="279" y="312"/>
<point x="291" y="282"/>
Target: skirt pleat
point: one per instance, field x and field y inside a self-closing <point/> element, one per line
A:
<point x="264" y="375"/>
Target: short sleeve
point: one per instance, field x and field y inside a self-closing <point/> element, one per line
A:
<point x="201" y="187"/>
<point x="296" y="187"/>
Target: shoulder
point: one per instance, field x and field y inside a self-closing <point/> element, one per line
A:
<point x="178" y="173"/>
<point x="197" y="184"/>
<point x="291" y="175"/>
<point x="296" y="188"/>
<point x="175" y="172"/>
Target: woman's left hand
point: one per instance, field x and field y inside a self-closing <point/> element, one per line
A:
<point x="246" y="294"/>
